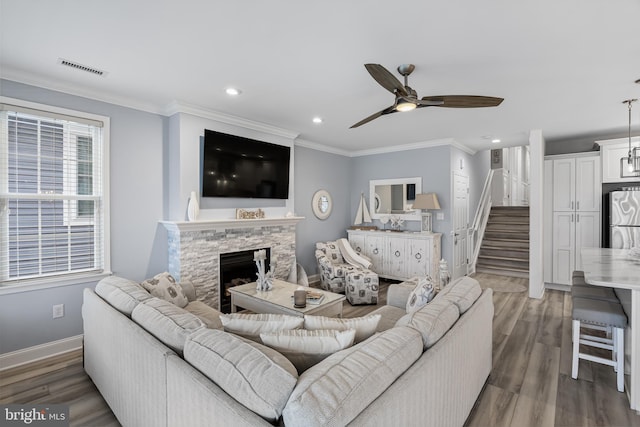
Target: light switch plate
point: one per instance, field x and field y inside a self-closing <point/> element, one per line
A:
<point x="440" y="216"/>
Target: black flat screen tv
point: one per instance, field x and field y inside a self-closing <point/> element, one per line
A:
<point x="234" y="166"/>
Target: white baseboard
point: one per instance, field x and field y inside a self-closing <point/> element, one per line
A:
<point x="38" y="352"/>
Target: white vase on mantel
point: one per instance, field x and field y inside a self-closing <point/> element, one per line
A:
<point x="193" y="208"/>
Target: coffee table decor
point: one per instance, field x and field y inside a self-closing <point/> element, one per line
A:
<point x="265" y="279"/>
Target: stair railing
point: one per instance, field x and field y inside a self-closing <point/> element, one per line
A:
<point x="476" y="231"/>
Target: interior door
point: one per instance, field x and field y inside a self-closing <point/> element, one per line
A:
<point x="460" y="209"/>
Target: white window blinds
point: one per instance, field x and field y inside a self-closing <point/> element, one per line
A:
<point x="51" y="195"/>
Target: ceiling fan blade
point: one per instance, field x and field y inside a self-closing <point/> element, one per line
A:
<point x="464" y="101"/>
<point x="386" y="79"/>
<point x="374" y="116"/>
<point x="428" y="103"/>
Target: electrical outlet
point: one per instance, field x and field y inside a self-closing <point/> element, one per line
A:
<point x="440" y="216"/>
<point x="58" y="311"/>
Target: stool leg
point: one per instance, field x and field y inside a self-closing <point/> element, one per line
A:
<point x="619" y="349"/>
<point x="576" y="348"/>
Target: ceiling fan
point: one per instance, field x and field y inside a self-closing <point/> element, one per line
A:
<point x="407" y="98"/>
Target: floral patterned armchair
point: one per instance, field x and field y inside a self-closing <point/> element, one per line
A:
<point x="358" y="284"/>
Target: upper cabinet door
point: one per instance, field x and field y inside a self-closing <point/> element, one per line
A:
<point x="564" y="184"/>
<point x="588" y="184"/>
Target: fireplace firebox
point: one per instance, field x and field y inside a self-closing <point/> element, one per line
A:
<point x="237" y="268"/>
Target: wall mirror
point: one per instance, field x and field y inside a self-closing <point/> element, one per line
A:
<point x="322" y="204"/>
<point x="394" y="197"/>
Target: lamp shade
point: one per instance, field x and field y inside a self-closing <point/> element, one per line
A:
<point x="426" y="201"/>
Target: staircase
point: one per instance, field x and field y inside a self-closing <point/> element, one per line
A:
<point x="505" y="247"/>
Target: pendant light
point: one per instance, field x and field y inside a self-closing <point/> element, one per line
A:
<point x="633" y="157"/>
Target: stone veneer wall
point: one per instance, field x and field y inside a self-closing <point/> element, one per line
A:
<point x="195" y="255"/>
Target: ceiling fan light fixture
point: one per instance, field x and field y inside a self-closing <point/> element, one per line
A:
<point x="405" y="105"/>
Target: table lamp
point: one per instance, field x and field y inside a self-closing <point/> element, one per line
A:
<point x="426" y="201"/>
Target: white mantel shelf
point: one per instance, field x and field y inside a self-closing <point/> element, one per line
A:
<point x="216" y="224"/>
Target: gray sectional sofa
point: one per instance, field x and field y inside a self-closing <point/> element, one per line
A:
<point x="158" y="365"/>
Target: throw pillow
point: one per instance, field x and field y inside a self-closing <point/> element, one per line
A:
<point x="164" y="286"/>
<point x="364" y="326"/>
<point x="252" y="325"/>
<point x="421" y="295"/>
<point x="305" y="348"/>
<point x="255" y="375"/>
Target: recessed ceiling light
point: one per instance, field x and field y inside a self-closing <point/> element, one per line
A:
<point x="495" y="141"/>
<point x="233" y="91"/>
<point x="317" y="120"/>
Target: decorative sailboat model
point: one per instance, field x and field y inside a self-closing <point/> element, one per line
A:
<point x="362" y="216"/>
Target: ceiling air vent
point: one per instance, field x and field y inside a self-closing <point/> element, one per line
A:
<point x="81" y="67"/>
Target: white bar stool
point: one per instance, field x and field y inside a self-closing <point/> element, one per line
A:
<point x="600" y="313"/>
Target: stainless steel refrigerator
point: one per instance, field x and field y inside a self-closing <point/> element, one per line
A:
<point x="624" y="219"/>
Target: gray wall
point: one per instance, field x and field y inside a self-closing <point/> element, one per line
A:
<point x="138" y="244"/>
<point x="317" y="170"/>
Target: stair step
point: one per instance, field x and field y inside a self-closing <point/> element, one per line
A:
<point x="502" y="272"/>
<point x="493" y="226"/>
<point x="507" y="235"/>
<point x="508" y="253"/>
<point x="504" y="261"/>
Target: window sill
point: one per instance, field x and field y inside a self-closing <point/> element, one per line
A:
<point x="52" y="282"/>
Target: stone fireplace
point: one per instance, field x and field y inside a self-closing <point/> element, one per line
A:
<point x="195" y="249"/>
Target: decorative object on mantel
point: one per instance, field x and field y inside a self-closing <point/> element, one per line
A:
<point x="245" y="214"/>
<point x="193" y="208"/>
<point x="445" y="277"/>
<point x="321" y="204"/>
<point x="630" y="165"/>
<point x="264" y="281"/>
<point x="424" y="202"/>
<point x="362" y="215"/>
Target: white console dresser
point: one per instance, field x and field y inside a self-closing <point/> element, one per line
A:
<point x="399" y="255"/>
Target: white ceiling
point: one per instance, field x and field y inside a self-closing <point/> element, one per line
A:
<point x="562" y="66"/>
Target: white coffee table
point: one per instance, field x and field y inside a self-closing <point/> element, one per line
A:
<point x="278" y="300"/>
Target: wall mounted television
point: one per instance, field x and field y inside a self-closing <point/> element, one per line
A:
<point x="234" y="166"/>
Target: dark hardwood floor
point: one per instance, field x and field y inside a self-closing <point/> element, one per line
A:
<point x="530" y="384"/>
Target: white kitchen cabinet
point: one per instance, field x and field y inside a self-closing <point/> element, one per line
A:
<point x="612" y="151"/>
<point x="399" y="255"/>
<point x="576" y="187"/>
<point x="571" y="232"/>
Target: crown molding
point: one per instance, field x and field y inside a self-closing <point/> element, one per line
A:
<point x="176" y="107"/>
<point x="75" y="90"/>
<point x="414" y="146"/>
<point x="321" y="147"/>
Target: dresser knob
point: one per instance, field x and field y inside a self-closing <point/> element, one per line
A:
<point x="397" y="253"/>
<point x="418" y="256"/>
<point x="375" y="251"/>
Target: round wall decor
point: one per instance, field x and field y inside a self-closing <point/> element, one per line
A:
<point x="322" y="204"/>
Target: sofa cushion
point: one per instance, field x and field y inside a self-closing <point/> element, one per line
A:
<point x="364" y="326"/>
<point x="336" y="390"/>
<point x="122" y="294"/>
<point x="209" y="315"/>
<point x="432" y="321"/>
<point x="389" y="316"/>
<point x="420" y="295"/>
<point x="252" y="325"/>
<point x="463" y="292"/>
<point x="253" y="374"/>
<point x="167" y="322"/>
<point x="164" y="286"/>
<point x="306" y="348"/>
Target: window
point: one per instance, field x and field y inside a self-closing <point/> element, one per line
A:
<point x="53" y="207"/>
